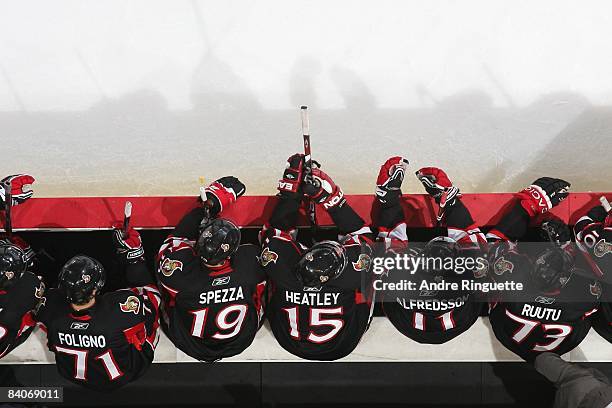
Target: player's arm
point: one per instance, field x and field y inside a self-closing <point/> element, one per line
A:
<point x="459" y="222"/>
<point x="593" y="234"/>
<point x="324" y="191"/>
<point x="538" y="198"/>
<point x="390" y="222"/>
<point x="129" y="250"/>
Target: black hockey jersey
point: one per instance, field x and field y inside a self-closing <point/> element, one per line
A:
<point x="426" y="315"/>
<point x="209" y="312"/>
<point x="107" y="345"/>
<point x="555" y="322"/>
<point x="602" y="320"/>
<point x="312" y="323"/>
<point x="17" y="304"/>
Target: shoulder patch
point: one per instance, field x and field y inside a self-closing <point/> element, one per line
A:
<point x="267" y="256"/>
<point x="502" y="266"/>
<point x="168" y="266"/>
<point x="363" y="263"/>
<point x="131" y="305"/>
<point x="595" y="289"/>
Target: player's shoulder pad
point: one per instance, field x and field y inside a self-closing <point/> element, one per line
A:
<point x="123" y="301"/>
<point x="173" y="245"/>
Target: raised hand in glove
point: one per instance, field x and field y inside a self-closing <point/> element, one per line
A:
<point x="543" y="194"/>
<point x="223" y="192"/>
<point x="128" y="247"/>
<point x="293" y="175"/>
<point x="323" y="190"/>
<point x="438" y="185"/>
<point x="21" y="188"/>
<point x="389" y="180"/>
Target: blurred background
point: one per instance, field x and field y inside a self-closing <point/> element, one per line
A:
<point x="143" y="97"/>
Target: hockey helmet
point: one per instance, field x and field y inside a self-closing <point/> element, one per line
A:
<point x="323" y="262"/>
<point x="552" y="269"/>
<point x="13" y="264"/>
<point x="219" y="239"/>
<point x="80" y="277"/>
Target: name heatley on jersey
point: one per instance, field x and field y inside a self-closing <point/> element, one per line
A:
<point x="312" y="298"/>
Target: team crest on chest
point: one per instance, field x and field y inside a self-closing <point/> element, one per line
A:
<point x="267" y="256"/>
<point x="169" y="266"/>
<point x="362" y="263"/>
<point x="132" y="304"/>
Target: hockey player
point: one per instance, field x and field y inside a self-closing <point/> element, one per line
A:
<point x="430" y="316"/>
<point x="21" y="291"/>
<point x="321" y="298"/>
<point x="594" y="238"/>
<point x="102" y="341"/>
<point x="552" y="312"/>
<point x="212" y="286"/>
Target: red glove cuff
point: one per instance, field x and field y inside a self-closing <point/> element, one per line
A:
<point x="224" y="196"/>
<point x="535" y="200"/>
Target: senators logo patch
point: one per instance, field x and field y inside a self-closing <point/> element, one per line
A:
<point x="169" y="266"/>
<point x="595" y="289"/>
<point x="602" y="248"/>
<point x="268" y="256"/>
<point x="39" y="291"/>
<point x="502" y="266"/>
<point x="132" y="304"/>
<point x="363" y="263"/>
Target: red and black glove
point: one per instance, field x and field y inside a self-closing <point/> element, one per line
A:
<point x="293" y="175"/>
<point x="438" y="185"/>
<point x="223" y="192"/>
<point x="128" y="247"/>
<point x="389" y="180"/>
<point x="323" y="190"/>
<point x="21" y="188"/>
<point x="544" y="194"/>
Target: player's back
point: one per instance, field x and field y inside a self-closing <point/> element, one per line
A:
<point x="16" y="304"/>
<point x="531" y="322"/>
<point x="212" y="313"/>
<point x="323" y="323"/>
<point x="105" y="346"/>
<point x="439" y="308"/>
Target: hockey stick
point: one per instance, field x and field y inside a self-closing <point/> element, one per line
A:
<point x="8" y="204"/>
<point x="312" y="211"/>
<point x="127" y="215"/>
<point x="605" y="204"/>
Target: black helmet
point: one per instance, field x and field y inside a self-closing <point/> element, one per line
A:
<point x="323" y="262"/>
<point x="219" y="239"/>
<point x="552" y="269"/>
<point x="79" y="277"/>
<point x="437" y="251"/>
<point x="13" y="264"/>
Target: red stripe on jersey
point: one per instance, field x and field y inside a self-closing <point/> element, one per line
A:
<point x="82" y="318"/>
<point x="136" y="335"/>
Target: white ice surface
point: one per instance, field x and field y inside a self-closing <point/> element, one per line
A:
<point x="144" y="96"/>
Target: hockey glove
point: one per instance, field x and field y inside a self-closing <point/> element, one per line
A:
<point x="293" y="175"/>
<point x="21" y="188"/>
<point x="544" y="194"/>
<point x="224" y="192"/>
<point x="438" y="185"/>
<point x="128" y="247"/>
<point x="323" y="190"/>
<point x="390" y="177"/>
